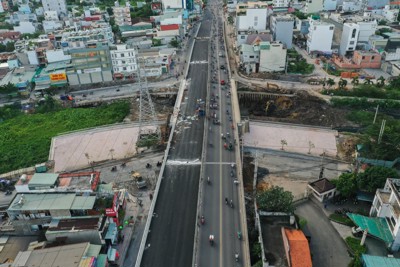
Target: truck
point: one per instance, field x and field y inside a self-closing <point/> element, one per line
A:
<point x="140" y="182"/>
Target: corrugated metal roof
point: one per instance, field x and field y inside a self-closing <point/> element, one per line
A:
<point x="101" y="260"/>
<point x="83" y="202"/>
<point x="42" y="179"/>
<point x="376" y="226"/>
<point x="59" y="201"/>
<point x="376" y="261"/>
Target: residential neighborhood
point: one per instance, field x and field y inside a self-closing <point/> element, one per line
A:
<point x="199" y="133"/>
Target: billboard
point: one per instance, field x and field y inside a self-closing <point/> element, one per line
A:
<point x="58" y="77"/>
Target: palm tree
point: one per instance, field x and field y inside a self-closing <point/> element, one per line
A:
<point x="342" y="83"/>
<point x="355" y="81"/>
<point x="330" y="82"/>
<point x="381" y="81"/>
<point x="368" y="81"/>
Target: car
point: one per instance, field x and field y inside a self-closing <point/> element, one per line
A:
<point x="222" y="67"/>
<point x="222" y="82"/>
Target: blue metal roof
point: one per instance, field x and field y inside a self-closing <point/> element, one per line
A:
<point x="377" y="261"/>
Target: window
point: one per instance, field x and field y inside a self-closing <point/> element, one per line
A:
<point x="255" y="23"/>
<point x="242" y="37"/>
<point x="363" y="57"/>
<point x="331" y="28"/>
<point x="351" y="42"/>
<point x="373" y="57"/>
<point x="353" y="34"/>
<point x="251" y="56"/>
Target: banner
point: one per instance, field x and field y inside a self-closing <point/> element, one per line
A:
<point x="58" y="77"/>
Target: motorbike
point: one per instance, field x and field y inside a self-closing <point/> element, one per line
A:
<point x="231" y="173"/>
<point x="211" y="239"/>
<point x="208" y="180"/>
<point x="231" y="204"/>
<point x="202" y="220"/>
<point x="239" y="235"/>
<point x="226" y="201"/>
<point x="236" y="257"/>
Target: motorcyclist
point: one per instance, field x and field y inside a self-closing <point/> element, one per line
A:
<point x="202" y="220"/>
<point x="211" y="239"/>
<point x="208" y="179"/>
<point x="231" y="203"/>
<point x="239" y="235"/>
<point x="226" y="200"/>
<point x="236" y="256"/>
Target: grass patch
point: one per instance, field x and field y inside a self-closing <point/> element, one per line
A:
<point x="368" y="91"/>
<point x="342" y="219"/>
<point x="354" y="245"/>
<point x="363" y="103"/>
<point x="25" y="139"/>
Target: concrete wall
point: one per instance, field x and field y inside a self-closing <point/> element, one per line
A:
<point x="273" y="59"/>
<point x="283" y="32"/>
<point x="254" y="19"/>
<point x="321" y="37"/>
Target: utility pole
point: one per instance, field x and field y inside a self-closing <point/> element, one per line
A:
<point x="376" y="113"/>
<point x="381" y="131"/>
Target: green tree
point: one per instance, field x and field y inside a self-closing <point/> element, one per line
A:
<point x="368" y="81"/>
<point x="395" y="82"/>
<point x="275" y="199"/>
<point x="10" y="47"/>
<point x="347" y="184"/>
<point x="342" y="83"/>
<point x="381" y="81"/>
<point x="375" y="177"/>
<point x="109" y="11"/>
<point x="330" y="82"/>
<point x="355" y="81"/>
<point x="174" y="43"/>
<point x="156" y="42"/>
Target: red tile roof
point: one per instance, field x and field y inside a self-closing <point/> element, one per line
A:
<point x="169" y="27"/>
<point x="299" y="250"/>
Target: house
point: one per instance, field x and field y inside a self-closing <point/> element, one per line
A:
<point x="282" y="28"/>
<point x="249" y="57"/>
<point x="136" y="30"/>
<point x="280" y="3"/>
<point x="29" y="213"/>
<point x="392" y="49"/>
<point x="251" y="19"/>
<point x="390" y="14"/>
<point x="322" y="189"/>
<point x="123" y="60"/>
<point x="9" y="36"/>
<point x="360" y="60"/>
<point x="171" y="31"/>
<point x="296" y="247"/>
<point x="319" y="37"/>
<point x="90" y="64"/>
<point x="313" y="6"/>
<point x="386" y="205"/>
<point x="74" y="255"/>
<point x="122" y="15"/>
<point x="330" y="5"/>
<point x="272" y="57"/>
<point x="349" y="38"/>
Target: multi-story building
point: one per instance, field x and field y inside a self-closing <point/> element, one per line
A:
<point x="330" y="5"/>
<point x="122" y="15"/>
<point x="367" y="27"/>
<point x="249" y="57"/>
<point x="242" y="7"/>
<point x="123" y="60"/>
<point x="252" y="19"/>
<point x="386" y="205"/>
<point x="56" y="5"/>
<point x="319" y="37"/>
<point x="280" y="3"/>
<point x="392" y="49"/>
<point x="351" y="6"/>
<point x="282" y="29"/>
<point x="36" y="51"/>
<point x="272" y="57"/>
<point x="390" y="14"/>
<point x="90" y="64"/>
<point x="313" y="6"/>
<point x="174" y="4"/>
<point x="79" y="39"/>
<point x="348" y="42"/>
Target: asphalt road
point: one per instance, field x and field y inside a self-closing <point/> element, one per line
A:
<point x="172" y="229"/>
<point x="221" y="220"/>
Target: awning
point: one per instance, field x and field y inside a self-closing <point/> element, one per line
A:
<point x="376" y="226"/>
<point x="42" y="87"/>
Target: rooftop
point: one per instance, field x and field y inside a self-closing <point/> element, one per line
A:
<point x="322" y="185"/>
<point x="377" y="227"/>
<point x="76" y="224"/>
<point x="272" y="238"/>
<point x="377" y="261"/>
<point x="61" y="256"/>
<point x="43" y="179"/>
<point x="300" y="255"/>
<point x="51" y="201"/>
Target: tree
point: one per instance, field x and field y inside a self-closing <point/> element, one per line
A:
<point x="283" y="143"/>
<point x="355" y="81"/>
<point x="368" y="81"/>
<point x="342" y="83"/>
<point x="375" y="177"/>
<point x="275" y="199"/>
<point x="347" y="184"/>
<point x="174" y="43"/>
<point x="395" y="82"/>
<point x="381" y="81"/>
<point x="156" y="42"/>
<point x="330" y="82"/>
<point x="109" y="11"/>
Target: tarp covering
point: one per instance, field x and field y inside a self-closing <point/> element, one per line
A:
<point x="376" y="226"/>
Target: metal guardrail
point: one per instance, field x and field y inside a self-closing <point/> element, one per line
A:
<point x="156" y="191"/>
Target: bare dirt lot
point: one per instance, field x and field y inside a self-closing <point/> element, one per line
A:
<point x="302" y="108"/>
